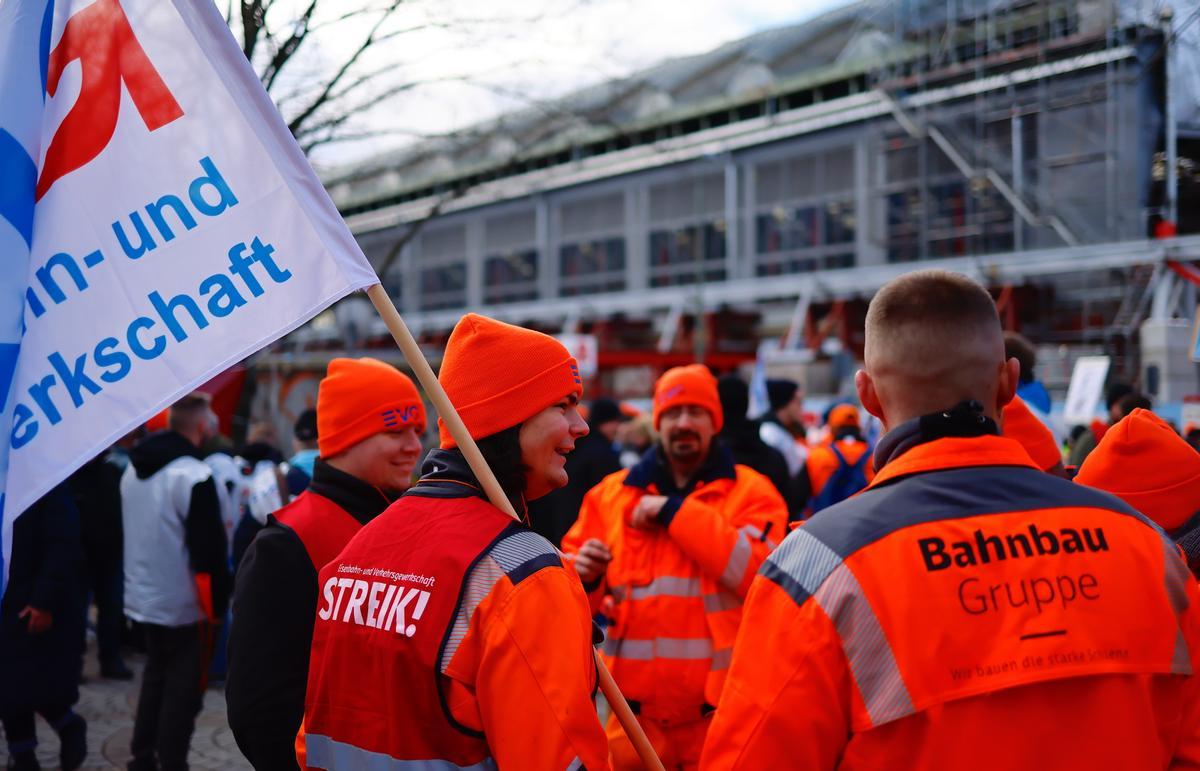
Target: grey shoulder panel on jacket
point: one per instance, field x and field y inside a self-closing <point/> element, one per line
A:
<point x="521" y="553"/>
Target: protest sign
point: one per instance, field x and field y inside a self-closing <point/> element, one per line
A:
<point x="169" y="222"/>
<point x="1086" y="390"/>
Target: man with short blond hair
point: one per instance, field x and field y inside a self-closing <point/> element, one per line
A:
<point x="965" y="594"/>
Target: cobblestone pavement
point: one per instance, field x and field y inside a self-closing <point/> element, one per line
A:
<point x="108" y="706"/>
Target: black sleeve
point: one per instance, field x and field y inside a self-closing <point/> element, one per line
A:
<point x="274" y="609"/>
<point x="775" y="468"/>
<point x="204" y="536"/>
<point x="802" y="488"/>
<point x="60" y="563"/>
<point x="243" y="536"/>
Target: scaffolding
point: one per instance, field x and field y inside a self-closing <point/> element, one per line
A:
<point x="1022" y="142"/>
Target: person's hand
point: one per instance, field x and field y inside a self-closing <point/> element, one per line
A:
<point x="39" y="620"/>
<point x="645" y="514"/>
<point x="592" y="560"/>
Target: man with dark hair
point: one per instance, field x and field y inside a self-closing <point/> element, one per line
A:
<point x="964" y="592"/>
<point x="668" y="549"/>
<point x="1030" y="389"/>
<point x="783" y="425"/>
<point x="370" y="418"/>
<point x="176" y="577"/>
<point x="449" y="635"/>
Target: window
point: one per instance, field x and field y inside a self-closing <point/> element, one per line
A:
<point x="687" y="230"/>
<point x="592" y="266"/>
<point x="932" y="210"/>
<point x="444" y="287"/>
<point x="591" y="257"/>
<point x="677" y="255"/>
<point x="805" y="218"/>
<point x="442" y="267"/>
<point x="510" y="277"/>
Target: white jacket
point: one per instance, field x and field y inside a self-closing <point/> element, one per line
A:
<point x="160" y="586"/>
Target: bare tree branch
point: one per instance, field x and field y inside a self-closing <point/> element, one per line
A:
<point x="332" y="83"/>
<point x="365" y="10"/>
<point x="285" y="52"/>
<point x="254" y="18"/>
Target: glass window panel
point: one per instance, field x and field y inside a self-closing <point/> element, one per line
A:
<point x="510" y="277"/>
<point x="444" y="287"/>
<point x="839" y="222"/>
<point x="593" y="266"/>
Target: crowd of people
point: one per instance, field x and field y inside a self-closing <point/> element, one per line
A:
<point x="926" y="566"/>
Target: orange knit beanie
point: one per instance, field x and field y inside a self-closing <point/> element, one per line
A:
<point x="693" y="384"/>
<point x="1142" y="461"/>
<point x="498" y="375"/>
<point x="844" y="416"/>
<point x="1024" y="427"/>
<point x="360" y="398"/>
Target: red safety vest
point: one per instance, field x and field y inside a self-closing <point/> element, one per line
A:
<point x="385" y="607"/>
<point x="322" y="526"/>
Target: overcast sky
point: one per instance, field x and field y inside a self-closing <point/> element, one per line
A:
<point x="476" y="58"/>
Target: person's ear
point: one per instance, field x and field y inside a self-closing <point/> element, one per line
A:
<point x="867" y="395"/>
<point x="1010" y="373"/>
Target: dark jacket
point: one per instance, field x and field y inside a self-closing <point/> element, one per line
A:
<point x="743" y="440"/>
<point x="594" y="458"/>
<point x="46" y="573"/>
<point x="274" y="608"/>
<point x="96" y="489"/>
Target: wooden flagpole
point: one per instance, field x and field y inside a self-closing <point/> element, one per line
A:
<point x="491" y="487"/>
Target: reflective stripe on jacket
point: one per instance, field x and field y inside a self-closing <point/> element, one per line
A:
<point x="675" y="594"/>
<point x="966" y="611"/>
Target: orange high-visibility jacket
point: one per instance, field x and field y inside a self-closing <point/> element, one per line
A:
<point x="966" y="611"/>
<point x="676" y="592"/>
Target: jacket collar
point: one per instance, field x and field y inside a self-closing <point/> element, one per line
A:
<point x="652" y="469"/>
<point x="964" y="420"/>
<point x="362" y="501"/>
<point x="446" y="474"/>
<point x="159" y="449"/>
<point x="957" y="438"/>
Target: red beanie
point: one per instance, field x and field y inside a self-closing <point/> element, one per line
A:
<point x="498" y="375"/>
<point x="359" y="398"/>
<point x="1142" y="461"/>
<point x="692" y="384"/>
<point x="1023" y="426"/>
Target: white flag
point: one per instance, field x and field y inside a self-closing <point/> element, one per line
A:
<point x="169" y="223"/>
